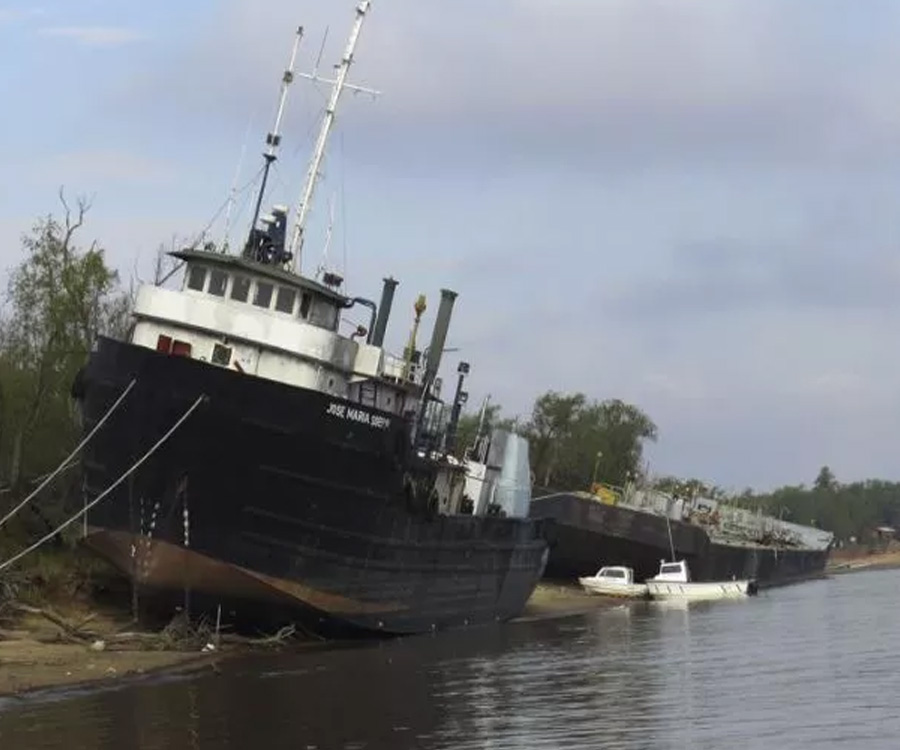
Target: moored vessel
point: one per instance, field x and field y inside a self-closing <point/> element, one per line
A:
<point x="614" y="580"/>
<point x="257" y="459"/>
<point x="673" y="582"/>
<point x="637" y="527"/>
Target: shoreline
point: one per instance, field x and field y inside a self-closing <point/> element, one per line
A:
<point x="853" y="560"/>
<point x="83" y="643"/>
<point x="29" y="666"/>
<point x="38" y="654"/>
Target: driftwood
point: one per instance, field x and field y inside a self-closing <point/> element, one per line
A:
<point x="11" y="635"/>
<point x="277" y="639"/>
<point x="72" y="632"/>
<point x="180" y="634"/>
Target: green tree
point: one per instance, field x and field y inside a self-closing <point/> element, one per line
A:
<point x="467" y="429"/>
<point x="553" y="421"/>
<point x="571" y="435"/>
<point x="58" y="299"/>
<point x="623" y="428"/>
<point x="825" y="480"/>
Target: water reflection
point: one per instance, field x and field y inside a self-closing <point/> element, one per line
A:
<point x="801" y="667"/>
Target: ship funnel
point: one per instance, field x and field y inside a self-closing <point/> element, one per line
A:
<point x="384" y="311"/>
<point x="439" y="334"/>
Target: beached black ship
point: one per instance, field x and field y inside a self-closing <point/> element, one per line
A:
<point x="252" y="456"/>
<point x="638" y="528"/>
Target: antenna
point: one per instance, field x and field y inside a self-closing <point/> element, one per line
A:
<point x="312" y="175"/>
<point x="316" y="78"/>
<point x="319" y="56"/>
<point x="328" y="234"/>
<point x="273" y="139"/>
<point x="233" y="192"/>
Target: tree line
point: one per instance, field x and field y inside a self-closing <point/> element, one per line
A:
<point x="851" y="511"/>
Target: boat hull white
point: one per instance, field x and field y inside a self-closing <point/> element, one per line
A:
<point x="700" y="590"/>
<point x="604" y="587"/>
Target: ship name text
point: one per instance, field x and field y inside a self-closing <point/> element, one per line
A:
<point x="352" y="414"/>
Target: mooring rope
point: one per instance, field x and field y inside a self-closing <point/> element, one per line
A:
<point x="86" y="508"/>
<point x="62" y="467"/>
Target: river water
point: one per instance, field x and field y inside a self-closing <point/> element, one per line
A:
<point x="816" y="665"/>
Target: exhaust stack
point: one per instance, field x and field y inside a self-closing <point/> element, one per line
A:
<point x="439" y="335"/>
<point x="384" y="311"/>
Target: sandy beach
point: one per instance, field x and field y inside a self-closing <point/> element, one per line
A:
<point x="37" y="653"/>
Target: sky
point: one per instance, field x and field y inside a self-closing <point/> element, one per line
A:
<point x="689" y="205"/>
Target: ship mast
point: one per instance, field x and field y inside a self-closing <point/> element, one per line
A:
<point x="312" y="175"/>
<point x="273" y="139"/>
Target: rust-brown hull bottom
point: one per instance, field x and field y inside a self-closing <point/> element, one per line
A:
<point x="164" y="570"/>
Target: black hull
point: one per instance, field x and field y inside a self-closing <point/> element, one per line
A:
<point x="266" y="500"/>
<point x="589" y="534"/>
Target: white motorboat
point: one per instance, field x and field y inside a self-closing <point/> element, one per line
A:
<point x="614" y="580"/>
<point x="674" y="582"/>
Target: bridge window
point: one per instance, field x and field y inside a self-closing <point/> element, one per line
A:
<point x="324" y="315"/>
<point x="263" y="296"/>
<point x="284" y="302"/>
<point x="218" y="280"/>
<point x="240" y="289"/>
<point x="196" y="278"/>
<point x="305" y="302"/>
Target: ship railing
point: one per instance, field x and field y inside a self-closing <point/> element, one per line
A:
<point x="399" y="370"/>
<point x="631" y="497"/>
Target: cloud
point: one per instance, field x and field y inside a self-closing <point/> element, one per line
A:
<point x="728" y="276"/>
<point x="95" y="36"/>
<point x="731" y="276"/>
<point x="14" y="15"/>
<point x="617" y="84"/>
<point x="101" y="167"/>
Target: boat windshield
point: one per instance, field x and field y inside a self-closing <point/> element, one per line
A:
<point x="670" y="569"/>
<point x="613" y="573"/>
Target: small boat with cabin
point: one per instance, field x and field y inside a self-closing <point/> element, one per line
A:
<point x="674" y="582"/>
<point x="614" y="580"/>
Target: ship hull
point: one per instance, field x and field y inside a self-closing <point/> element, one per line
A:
<point x="589" y="534"/>
<point x="272" y="503"/>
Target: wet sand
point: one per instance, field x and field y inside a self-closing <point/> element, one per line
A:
<point x="844" y="562"/>
<point x="26" y="664"/>
<point x="563" y="600"/>
<point x="35" y="654"/>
